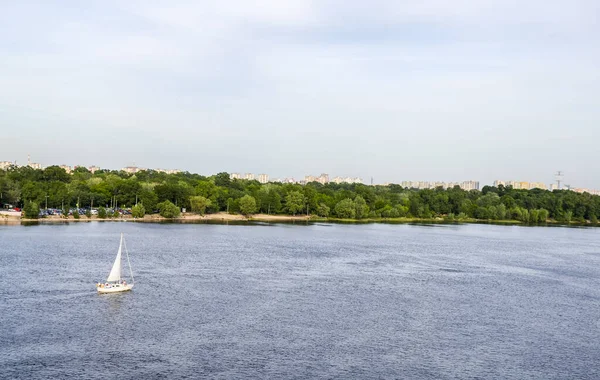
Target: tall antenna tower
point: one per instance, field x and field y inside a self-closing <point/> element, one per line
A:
<point x="559" y="176"/>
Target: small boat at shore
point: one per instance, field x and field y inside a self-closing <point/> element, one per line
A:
<point x="115" y="283"/>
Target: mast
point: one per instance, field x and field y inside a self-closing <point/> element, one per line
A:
<point x="128" y="262"/>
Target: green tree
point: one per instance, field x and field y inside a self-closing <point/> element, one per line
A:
<point x="534" y="216"/>
<point x="362" y="210"/>
<point x="294" y="202"/>
<point x="543" y="215"/>
<point x="247" y="205"/>
<point x="323" y="210"/>
<point x="138" y="211"/>
<point x="345" y="209"/>
<point x="65" y="211"/>
<point x="55" y="173"/>
<point x="88" y="213"/>
<point x="501" y="211"/>
<point x="101" y="213"/>
<point x="168" y="210"/>
<point x="199" y="204"/>
<point x="31" y="210"/>
<point x="222" y="179"/>
<point x="76" y="214"/>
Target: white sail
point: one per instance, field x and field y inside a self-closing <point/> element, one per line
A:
<point x="115" y="273"/>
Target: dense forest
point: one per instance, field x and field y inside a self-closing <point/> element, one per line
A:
<point x="154" y="191"/>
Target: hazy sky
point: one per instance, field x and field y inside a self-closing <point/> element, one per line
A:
<point x="397" y="90"/>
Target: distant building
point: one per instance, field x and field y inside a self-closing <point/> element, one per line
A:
<point x="521" y="185"/>
<point x="235" y="176"/>
<point x="309" y="178"/>
<point x="470" y="185"/>
<point x="166" y="171"/>
<point x="67" y="168"/>
<point x="249" y="176"/>
<point x="537" y="185"/>
<point x="263" y="178"/>
<point x="323" y="178"/>
<point x="93" y="169"/>
<point x="5" y="165"/>
<point x="131" y="169"/>
<point x="339" y="180"/>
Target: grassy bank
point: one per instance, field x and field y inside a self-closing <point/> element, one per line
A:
<point x="265" y="218"/>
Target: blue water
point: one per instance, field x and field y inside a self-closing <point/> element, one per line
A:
<point x="296" y="301"/>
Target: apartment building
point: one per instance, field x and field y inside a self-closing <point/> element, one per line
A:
<point x="263" y="178"/>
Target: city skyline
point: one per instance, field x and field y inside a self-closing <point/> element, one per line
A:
<point x="325" y="178"/>
<point x="440" y="91"/>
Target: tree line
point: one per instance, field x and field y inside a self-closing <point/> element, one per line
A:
<point x="166" y="194"/>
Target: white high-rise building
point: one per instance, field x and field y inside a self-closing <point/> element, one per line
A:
<point x="470" y="185"/>
<point x="323" y="178"/>
<point x="263" y="178"/>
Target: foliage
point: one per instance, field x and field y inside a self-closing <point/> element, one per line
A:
<point x="76" y="214"/>
<point x="362" y="210"/>
<point x="101" y="213"/>
<point x="88" y="213"/>
<point x="168" y="210"/>
<point x="218" y="193"/>
<point x="247" y="205"/>
<point x="31" y="210"/>
<point x="345" y="209"/>
<point x="65" y="211"/>
<point x="138" y="211"/>
<point x="294" y="202"/>
<point x="323" y="210"/>
<point x="200" y="204"/>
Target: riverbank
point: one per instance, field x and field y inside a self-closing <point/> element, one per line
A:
<point x="155" y="218"/>
<point x="224" y="217"/>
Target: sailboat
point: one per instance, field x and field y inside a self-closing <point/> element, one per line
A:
<point x="114" y="283"/>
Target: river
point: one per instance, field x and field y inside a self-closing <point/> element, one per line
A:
<point x="287" y="301"/>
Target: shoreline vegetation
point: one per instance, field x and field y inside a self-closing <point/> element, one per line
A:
<point x="52" y="195"/>
<point x="225" y="218"/>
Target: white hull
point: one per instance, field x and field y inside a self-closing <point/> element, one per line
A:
<point x="114" y="288"/>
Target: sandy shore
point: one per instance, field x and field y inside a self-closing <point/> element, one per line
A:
<point x="222" y="216"/>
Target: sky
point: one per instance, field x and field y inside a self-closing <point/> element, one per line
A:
<point x="430" y="90"/>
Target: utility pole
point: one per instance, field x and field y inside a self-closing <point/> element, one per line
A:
<point x="136" y="199"/>
<point x="559" y="175"/>
<point x="46" y="201"/>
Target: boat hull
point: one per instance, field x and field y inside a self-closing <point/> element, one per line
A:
<point x="114" y="288"/>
